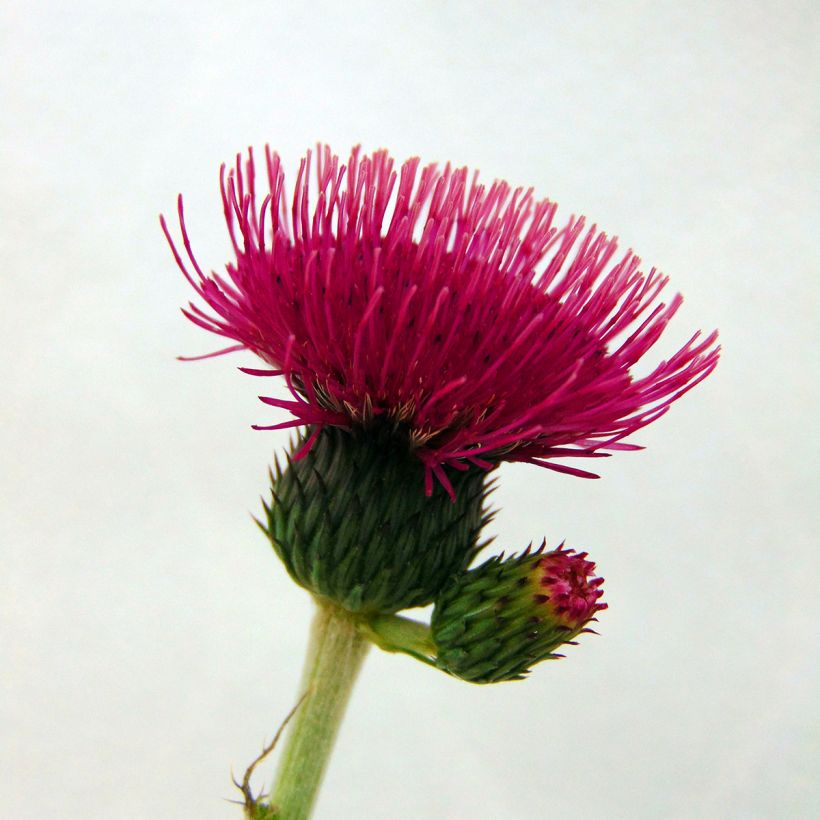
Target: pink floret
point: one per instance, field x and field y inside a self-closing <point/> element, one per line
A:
<point x="568" y="586"/>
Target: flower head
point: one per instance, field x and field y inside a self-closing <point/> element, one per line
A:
<point x="464" y="314"/>
<point x="494" y="622"/>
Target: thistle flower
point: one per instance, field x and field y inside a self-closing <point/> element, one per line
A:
<point x="494" y="622"/>
<point x="466" y="317"/>
<point x="428" y="328"/>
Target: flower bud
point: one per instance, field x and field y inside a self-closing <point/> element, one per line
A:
<point x="352" y="523"/>
<point x="497" y="620"/>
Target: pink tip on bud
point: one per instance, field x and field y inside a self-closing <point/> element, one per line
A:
<point x="567" y="585"/>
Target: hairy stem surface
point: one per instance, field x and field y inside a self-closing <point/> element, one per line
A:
<point x="335" y="654"/>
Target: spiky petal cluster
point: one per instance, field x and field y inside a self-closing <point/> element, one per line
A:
<point x="464" y="313"/>
<point x="494" y="622"/>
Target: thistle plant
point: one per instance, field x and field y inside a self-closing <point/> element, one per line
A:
<point x="428" y="328"/>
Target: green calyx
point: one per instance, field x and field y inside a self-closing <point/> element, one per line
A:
<point x="351" y="522"/>
<point x="488" y="626"/>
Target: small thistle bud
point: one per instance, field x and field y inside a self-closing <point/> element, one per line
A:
<point x="496" y="621"/>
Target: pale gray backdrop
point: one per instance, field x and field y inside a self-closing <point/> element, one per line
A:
<point x="149" y="638"/>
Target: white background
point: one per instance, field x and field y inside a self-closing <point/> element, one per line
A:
<point x="149" y="638"/>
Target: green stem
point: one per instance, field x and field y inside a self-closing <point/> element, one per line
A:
<point x="335" y="654"/>
<point x="395" y="633"/>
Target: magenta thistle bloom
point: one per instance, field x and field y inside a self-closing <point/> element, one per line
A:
<point x="464" y="313"/>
